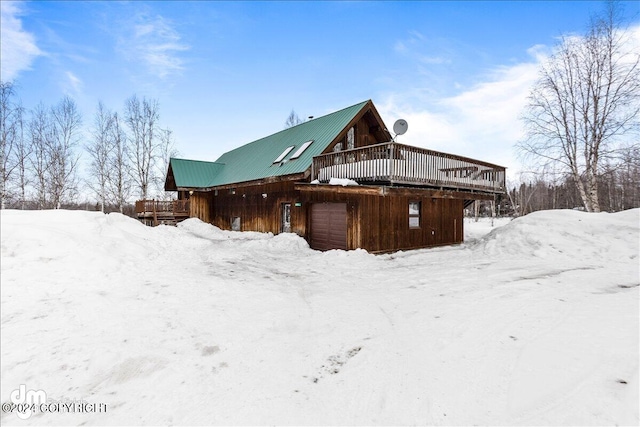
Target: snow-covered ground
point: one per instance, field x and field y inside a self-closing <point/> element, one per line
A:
<point x="536" y="322"/>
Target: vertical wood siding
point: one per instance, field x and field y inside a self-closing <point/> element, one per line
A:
<point x="256" y="212"/>
<point x="200" y="206"/>
<point x="381" y="223"/>
<point x="374" y="222"/>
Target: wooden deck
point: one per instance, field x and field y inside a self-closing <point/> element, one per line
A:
<point x="157" y="212"/>
<point x="393" y="163"/>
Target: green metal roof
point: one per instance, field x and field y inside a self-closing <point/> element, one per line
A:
<point x="193" y="173"/>
<point x="255" y="160"/>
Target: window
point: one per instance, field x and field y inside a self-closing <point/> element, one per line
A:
<point x="284" y="154"/>
<point x="414" y="214"/>
<point x="235" y="223"/>
<point x="300" y="150"/>
<point x="285" y="225"/>
<point x="351" y="139"/>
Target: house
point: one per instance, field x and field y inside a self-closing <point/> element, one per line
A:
<point x="407" y="197"/>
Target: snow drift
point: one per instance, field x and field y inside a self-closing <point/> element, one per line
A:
<point x="534" y="323"/>
<point x="566" y="233"/>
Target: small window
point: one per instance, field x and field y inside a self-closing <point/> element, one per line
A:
<point x="235" y="223"/>
<point x="351" y="139"/>
<point x="284" y="154"/>
<point x="232" y="191"/>
<point x="300" y="150"/>
<point x="285" y="225"/>
<point x="414" y="214"/>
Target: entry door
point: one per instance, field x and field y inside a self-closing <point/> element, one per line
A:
<point x="285" y="219"/>
<point x="328" y="226"/>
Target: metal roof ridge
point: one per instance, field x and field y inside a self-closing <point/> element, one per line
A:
<point x="363" y="103"/>
<point x="320" y="117"/>
<point x="193" y="160"/>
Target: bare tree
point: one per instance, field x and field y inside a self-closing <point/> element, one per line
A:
<point x="292" y="120"/>
<point x="100" y="150"/>
<point x="10" y="132"/>
<point x="586" y="98"/>
<point x="119" y="184"/>
<point x="167" y="151"/>
<point x="142" y="118"/>
<point x="39" y="163"/>
<point x="66" y="125"/>
<point x="22" y="153"/>
<point x="629" y="179"/>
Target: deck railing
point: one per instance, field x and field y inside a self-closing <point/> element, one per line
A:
<point x="168" y="206"/>
<point x="404" y="164"/>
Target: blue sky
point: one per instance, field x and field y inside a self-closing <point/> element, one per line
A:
<point x="227" y="73"/>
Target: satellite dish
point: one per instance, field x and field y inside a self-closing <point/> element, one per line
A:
<point x="400" y="127"/>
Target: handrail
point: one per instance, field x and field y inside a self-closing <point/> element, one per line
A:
<point x="163" y="206"/>
<point x="404" y="164"/>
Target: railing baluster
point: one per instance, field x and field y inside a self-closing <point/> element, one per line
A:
<point x="406" y="164"/>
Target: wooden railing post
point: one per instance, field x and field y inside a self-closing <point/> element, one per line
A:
<point x="404" y="164"/>
<point x="155" y="213"/>
<point x="391" y="157"/>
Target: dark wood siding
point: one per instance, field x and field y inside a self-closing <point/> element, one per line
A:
<point x="368" y="131"/>
<point x="328" y="226"/>
<point x="259" y="207"/>
<point x="376" y="220"/>
<point x="200" y="205"/>
<point x="385" y="222"/>
<point x="380" y="223"/>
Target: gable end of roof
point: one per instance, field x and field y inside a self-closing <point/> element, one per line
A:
<point x="188" y="174"/>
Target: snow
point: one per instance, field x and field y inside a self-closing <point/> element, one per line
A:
<point x="338" y="181"/>
<point x="532" y="321"/>
<point x="342" y="181"/>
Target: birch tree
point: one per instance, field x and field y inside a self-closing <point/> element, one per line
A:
<point x="584" y="102"/>
<point x="22" y="154"/>
<point x="39" y="133"/>
<point x="100" y="150"/>
<point x="119" y="183"/>
<point x="167" y="151"/>
<point x="142" y="120"/>
<point x="10" y="132"/>
<point x="66" y="127"/>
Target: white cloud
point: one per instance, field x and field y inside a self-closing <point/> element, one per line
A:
<point x="416" y="35"/>
<point x="481" y="122"/>
<point x="73" y="83"/>
<point x="414" y="46"/>
<point x="539" y="52"/>
<point x="633" y="43"/>
<point x="400" y="47"/>
<point x="153" y="41"/>
<point x="17" y="47"/>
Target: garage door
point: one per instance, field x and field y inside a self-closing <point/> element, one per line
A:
<point x="328" y="226"/>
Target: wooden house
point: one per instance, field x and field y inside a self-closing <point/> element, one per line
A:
<point x="407" y="197"/>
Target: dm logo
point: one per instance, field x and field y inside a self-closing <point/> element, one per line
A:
<point x="26" y="400"/>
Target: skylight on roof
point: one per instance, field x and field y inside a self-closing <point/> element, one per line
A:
<point x="300" y="150"/>
<point x="284" y="154"/>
